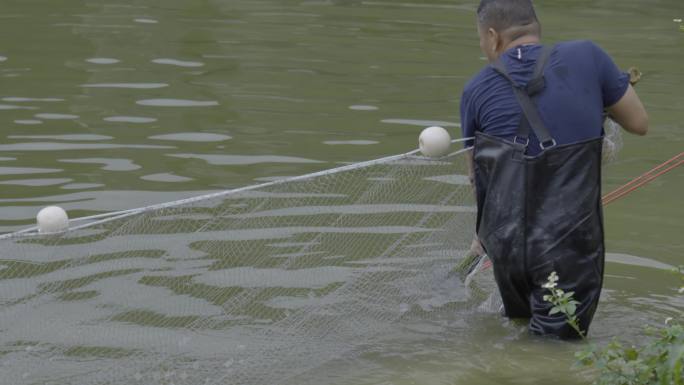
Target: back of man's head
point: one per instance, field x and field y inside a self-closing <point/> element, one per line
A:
<point x="502" y="15"/>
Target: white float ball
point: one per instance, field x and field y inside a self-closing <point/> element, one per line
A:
<point x="434" y="142"/>
<point x="52" y="219"/>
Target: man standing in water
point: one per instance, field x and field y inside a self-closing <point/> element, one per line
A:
<point x="536" y="113"/>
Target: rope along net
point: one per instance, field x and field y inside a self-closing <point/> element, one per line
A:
<point x="259" y="285"/>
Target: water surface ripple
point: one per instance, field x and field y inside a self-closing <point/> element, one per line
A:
<point x="108" y="106"/>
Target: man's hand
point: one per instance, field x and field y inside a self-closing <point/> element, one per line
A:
<point x="634" y="75"/>
<point x="476" y="247"/>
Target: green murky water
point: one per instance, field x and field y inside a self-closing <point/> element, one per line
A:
<point x="108" y="106"/>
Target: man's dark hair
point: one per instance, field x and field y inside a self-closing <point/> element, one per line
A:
<point x="502" y="15"/>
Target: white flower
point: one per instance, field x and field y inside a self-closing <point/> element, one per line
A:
<point x="553" y="277"/>
<point x="551" y="281"/>
<point x="681" y="290"/>
<point x="668" y="320"/>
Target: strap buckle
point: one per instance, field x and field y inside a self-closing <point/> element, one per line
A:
<point x="552" y="143"/>
<point x="525" y="143"/>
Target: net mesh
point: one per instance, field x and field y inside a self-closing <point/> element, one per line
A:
<point x="259" y="285"/>
<point x="612" y="141"/>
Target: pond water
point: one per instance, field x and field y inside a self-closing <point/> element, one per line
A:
<point x="110" y="106"/>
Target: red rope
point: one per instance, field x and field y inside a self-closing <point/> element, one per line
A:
<point x="645" y="175"/>
<point x="645" y="178"/>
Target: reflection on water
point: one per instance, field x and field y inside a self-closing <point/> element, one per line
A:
<point x="129" y="119"/>
<point x="179" y="63"/>
<point x="37" y="182"/>
<point x="20" y="99"/>
<point x="28" y="121"/>
<point x="11" y="107"/>
<point x="146" y="21"/>
<point x="84" y="137"/>
<point x="108" y="164"/>
<point x="102" y="103"/>
<point x="27" y="170"/>
<point x="359" y="107"/>
<point x="81" y="186"/>
<point x="352" y="142"/>
<point x="165" y="177"/>
<point x="102" y="60"/>
<point x="50" y="146"/>
<point x="244" y="159"/>
<point x="421" y="123"/>
<point x="192" y="137"/>
<point x="143" y="86"/>
<point x="51" y="116"/>
<point x="177" y="103"/>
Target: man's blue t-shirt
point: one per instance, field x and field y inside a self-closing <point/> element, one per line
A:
<point x="581" y="80"/>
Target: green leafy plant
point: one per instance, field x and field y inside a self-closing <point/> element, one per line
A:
<point x="659" y="362"/>
<point x="562" y="302"/>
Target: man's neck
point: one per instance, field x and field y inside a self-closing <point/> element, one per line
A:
<point x="522" y="40"/>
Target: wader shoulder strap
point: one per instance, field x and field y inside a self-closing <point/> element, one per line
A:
<point x="524" y="96"/>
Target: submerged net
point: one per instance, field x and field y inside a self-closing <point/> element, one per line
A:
<point x="260" y="285"/>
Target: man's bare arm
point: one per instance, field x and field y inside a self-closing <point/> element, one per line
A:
<point x="630" y="113"/>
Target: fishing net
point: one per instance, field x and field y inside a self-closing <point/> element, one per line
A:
<point x="259" y="285"/>
<point x="612" y="141"/>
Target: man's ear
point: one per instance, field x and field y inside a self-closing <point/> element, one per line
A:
<point x="493" y="39"/>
